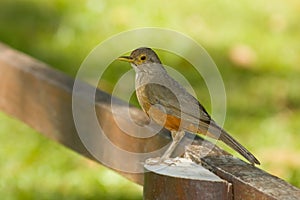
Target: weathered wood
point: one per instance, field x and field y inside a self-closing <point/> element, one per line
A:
<point x="184" y="179"/>
<point x="250" y="182"/>
<point x="42" y="98"/>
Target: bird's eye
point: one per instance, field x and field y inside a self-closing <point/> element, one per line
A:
<point x="143" y="57"/>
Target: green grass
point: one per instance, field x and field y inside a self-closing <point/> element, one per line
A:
<point x="255" y="45"/>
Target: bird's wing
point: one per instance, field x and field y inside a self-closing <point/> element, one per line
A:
<point x="177" y="102"/>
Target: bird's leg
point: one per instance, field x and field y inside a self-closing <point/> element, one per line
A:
<point x="176" y="136"/>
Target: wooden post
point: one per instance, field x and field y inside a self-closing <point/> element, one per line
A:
<point x="183" y="179"/>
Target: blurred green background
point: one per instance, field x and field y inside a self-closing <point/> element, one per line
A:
<point x="255" y="44"/>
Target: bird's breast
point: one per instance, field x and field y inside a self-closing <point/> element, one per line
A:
<point x="143" y="98"/>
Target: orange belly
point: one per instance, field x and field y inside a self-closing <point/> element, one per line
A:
<point x="157" y="114"/>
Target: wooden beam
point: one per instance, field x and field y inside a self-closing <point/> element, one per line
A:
<point x="248" y="182"/>
<point x="41" y="97"/>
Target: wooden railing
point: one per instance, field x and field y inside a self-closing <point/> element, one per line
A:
<point x="41" y="97"/>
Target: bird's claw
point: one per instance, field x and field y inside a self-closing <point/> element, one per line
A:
<point x="158" y="160"/>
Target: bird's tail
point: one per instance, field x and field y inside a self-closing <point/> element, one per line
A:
<point x="219" y="133"/>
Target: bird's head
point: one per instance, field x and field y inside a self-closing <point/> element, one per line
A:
<point x="141" y="56"/>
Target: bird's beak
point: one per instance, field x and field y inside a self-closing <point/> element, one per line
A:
<point x="126" y="59"/>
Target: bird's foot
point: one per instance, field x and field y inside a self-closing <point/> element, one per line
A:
<point x="159" y="160"/>
<point x="153" y="161"/>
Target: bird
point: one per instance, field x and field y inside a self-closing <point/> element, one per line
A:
<point x="171" y="106"/>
